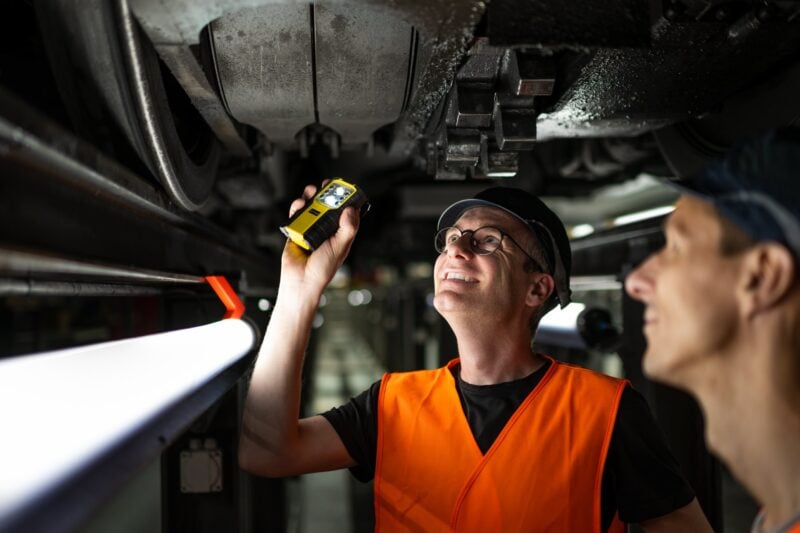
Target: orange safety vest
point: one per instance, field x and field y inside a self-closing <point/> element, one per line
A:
<point x="542" y="473"/>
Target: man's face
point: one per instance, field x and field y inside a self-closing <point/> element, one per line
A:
<point x="688" y="288"/>
<point x="484" y="286"/>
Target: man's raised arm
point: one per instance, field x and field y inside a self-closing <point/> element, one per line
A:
<point x="274" y="441"/>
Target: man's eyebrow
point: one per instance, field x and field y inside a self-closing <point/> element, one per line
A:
<point x="675" y="225"/>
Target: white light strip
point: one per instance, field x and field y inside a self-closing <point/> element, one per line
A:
<point x="594" y="283"/>
<point x="61" y="410"/>
<point x="643" y="215"/>
<point x="563" y="319"/>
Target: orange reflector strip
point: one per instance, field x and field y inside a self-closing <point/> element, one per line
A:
<point x="233" y="305"/>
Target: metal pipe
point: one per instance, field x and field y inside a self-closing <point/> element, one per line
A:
<point x="126" y="187"/>
<point x="76" y="408"/>
<point x="25" y="135"/>
<point x="30" y="287"/>
<point x="30" y="264"/>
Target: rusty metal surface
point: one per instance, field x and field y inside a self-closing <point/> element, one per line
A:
<point x="444" y="31"/>
<point x="362" y="56"/>
<point x="264" y="63"/>
<point x="689" y="70"/>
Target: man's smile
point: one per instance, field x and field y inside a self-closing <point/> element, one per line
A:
<point x="458" y="276"/>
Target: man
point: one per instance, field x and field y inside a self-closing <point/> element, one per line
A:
<point x="501" y="439"/>
<point x="722" y="316"/>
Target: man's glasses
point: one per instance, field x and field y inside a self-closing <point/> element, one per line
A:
<point x="483" y="241"/>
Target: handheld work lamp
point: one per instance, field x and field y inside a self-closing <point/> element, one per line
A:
<point x="319" y="218"/>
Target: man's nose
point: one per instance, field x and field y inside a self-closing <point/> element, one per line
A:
<point x="640" y="282"/>
<point x="460" y="246"/>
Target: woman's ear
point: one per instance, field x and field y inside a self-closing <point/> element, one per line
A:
<point x="540" y="288"/>
<point x="767" y="276"/>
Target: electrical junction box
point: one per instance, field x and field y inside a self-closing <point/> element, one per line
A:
<point x="201" y="467"/>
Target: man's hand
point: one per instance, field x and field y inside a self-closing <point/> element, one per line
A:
<point x="273" y="441"/>
<point x="301" y="271"/>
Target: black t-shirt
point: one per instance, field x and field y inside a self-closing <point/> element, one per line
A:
<point x="641" y="478"/>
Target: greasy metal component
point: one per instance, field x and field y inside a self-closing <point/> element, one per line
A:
<point x="527" y="74"/>
<point x="30" y="264"/>
<point x="264" y="65"/>
<point x="442" y="34"/>
<point x="555" y="23"/>
<point x="187" y="184"/>
<point x="463" y="148"/>
<point x="286" y="66"/>
<point x="115" y="217"/>
<point x="491" y="109"/>
<point x="470" y="107"/>
<point x="480" y="69"/>
<point x="362" y="56"/>
<point x="514" y="129"/>
<point x="697" y="67"/>
<point x="190" y="75"/>
<point x="633" y="72"/>
<point x="498" y="164"/>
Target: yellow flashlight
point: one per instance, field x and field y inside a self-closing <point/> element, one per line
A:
<point x="319" y="218"/>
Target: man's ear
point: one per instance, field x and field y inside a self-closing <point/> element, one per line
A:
<point x="540" y="288"/>
<point x="767" y="275"/>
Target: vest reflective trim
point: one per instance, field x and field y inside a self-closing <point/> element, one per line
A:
<point x="431" y="476"/>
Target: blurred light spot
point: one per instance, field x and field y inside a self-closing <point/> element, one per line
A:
<point x="581" y="230"/>
<point x="367" y="296"/>
<point x="355" y="298"/>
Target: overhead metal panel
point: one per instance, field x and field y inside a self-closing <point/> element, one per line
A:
<point x="264" y="65"/>
<point x="362" y="67"/>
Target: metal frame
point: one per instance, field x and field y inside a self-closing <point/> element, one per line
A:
<point x="74" y="222"/>
<point x="61" y="195"/>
